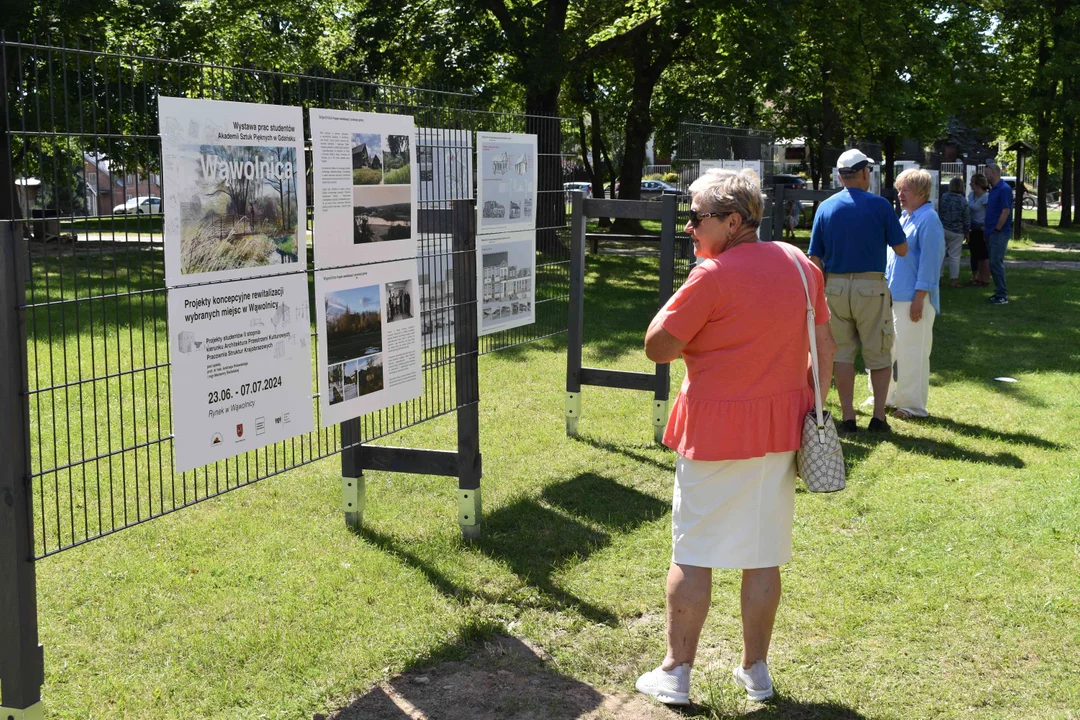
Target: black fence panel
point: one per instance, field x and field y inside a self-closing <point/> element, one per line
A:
<point x="82" y="129"/>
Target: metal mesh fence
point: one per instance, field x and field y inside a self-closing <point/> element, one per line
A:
<point x="697" y="142"/>
<point x="81" y="131"/>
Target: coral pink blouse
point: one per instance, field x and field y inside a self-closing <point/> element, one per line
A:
<point x="743" y="316"/>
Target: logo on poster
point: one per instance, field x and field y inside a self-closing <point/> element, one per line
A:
<point x="216" y="440"/>
<point x="240" y="430"/>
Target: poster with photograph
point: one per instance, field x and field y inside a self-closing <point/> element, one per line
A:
<point x="233" y="177"/>
<point x="370" y="354"/>
<point x="364" y="170"/>
<point x="507" y="184"/>
<point x="435" y="273"/>
<point x="444" y="159"/>
<point x="241" y="367"/>
<point x="506" y="280"/>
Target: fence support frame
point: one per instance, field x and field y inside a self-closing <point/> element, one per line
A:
<point x="582" y="208"/>
<point x="22" y="662"/>
<point x="465" y="462"/>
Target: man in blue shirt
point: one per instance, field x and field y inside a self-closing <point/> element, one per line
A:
<point x="851" y="231"/>
<point x="998" y="229"/>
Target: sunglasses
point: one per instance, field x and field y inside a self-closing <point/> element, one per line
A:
<point x="696" y="217"/>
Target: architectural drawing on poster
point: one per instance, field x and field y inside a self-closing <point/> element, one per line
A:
<point x="241" y="366"/>
<point x="234" y="199"/>
<point x="435" y="274"/>
<point x="365" y="174"/>
<point x="444" y="159"/>
<point x="506" y="281"/>
<point x="370" y="357"/>
<point x="507" y="187"/>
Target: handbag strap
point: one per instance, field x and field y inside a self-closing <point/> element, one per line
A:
<point x="813" y="343"/>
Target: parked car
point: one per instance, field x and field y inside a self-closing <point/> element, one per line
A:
<point x="656" y="189"/>
<point x="577" y="187"/>
<point x="143" y="205"/>
<point x="1030" y="193"/>
<point x="790" y="182"/>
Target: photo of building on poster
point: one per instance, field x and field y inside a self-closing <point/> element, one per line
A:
<point x="435" y="272"/>
<point x="369" y="357"/>
<point x="444" y="159"/>
<point x="507" y="187"/>
<point x="240" y="355"/>
<point x="234" y="179"/>
<point x="507" y="283"/>
<point x="364" y="165"/>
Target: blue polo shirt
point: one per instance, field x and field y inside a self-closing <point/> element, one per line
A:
<point x="921" y="267"/>
<point x="851" y="231"/>
<point x="1000" y="198"/>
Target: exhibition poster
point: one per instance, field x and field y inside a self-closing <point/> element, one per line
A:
<point x="444" y="159"/>
<point x="364" y="170"/>
<point x="241" y="366"/>
<point x="507" y="186"/>
<point x="234" y="203"/>
<point x="755" y="165"/>
<point x="506" y="280"/>
<point x="370" y="352"/>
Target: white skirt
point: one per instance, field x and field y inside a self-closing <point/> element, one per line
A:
<point x="733" y="513"/>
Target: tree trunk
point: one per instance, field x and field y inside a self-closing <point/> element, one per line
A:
<point x="1047" y="92"/>
<point x="541" y="119"/>
<point x="1067" y="142"/>
<point x="598" y="153"/>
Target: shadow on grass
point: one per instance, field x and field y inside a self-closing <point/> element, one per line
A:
<point x="978" y="431"/>
<point x="858" y="447"/>
<point x="625" y="451"/>
<point x="537" y="537"/>
<point x="780" y="708"/>
<point x="497" y="677"/>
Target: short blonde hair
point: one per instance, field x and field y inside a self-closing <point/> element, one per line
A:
<point x="915" y="181"/>
<point x="730" y="191"/>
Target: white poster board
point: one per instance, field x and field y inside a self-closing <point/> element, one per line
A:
<point x="370" y="352"/>
<point x="364" y="170"/>
<point x="507" y="186"/>
<point x="506" y="280"/>
<point x="755" y="165"/>
<point x="444" y="159"/>
<point x="235" y="200"/>
<point x="241" y="367"/>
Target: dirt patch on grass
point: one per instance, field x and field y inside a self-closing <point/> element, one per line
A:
<point x="504" y="679"/>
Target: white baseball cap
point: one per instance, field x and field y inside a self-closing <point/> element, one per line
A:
<point x="852" y="161"/>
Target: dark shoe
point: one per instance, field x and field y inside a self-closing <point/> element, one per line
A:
<point x="999" y="301"/>
<point x="847" y="426"/>
<point x="878" y="426"/>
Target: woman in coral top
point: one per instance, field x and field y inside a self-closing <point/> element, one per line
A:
<point x="739" y="322"/>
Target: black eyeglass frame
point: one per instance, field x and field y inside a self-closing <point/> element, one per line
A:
<point x="695" y="218"/>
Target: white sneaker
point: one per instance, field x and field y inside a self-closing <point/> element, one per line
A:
<point x="671" y="687"/>
<point x="756" y="681"/>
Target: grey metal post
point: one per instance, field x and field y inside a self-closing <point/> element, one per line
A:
<point x="575" y="320"/>
<point x="668" y="220"/>
<point x="467" y="373"/>
<point x="353" y="488"/>
<point x="778" y="213"/>
<point x="22" y="663"/>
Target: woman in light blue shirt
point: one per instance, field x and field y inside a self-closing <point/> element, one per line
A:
<point x="980" y="254"/>
<point x="913" y="282"/>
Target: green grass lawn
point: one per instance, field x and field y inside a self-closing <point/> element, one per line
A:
<point x="941" y="584"/>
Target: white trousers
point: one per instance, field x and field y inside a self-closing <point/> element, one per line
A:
<point x="910" y="385"/>
<point x="954" y="245"/>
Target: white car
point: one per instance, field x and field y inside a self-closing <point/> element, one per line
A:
<point x="143" y="205"/>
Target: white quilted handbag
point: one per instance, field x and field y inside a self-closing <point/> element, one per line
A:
<point x="820" y="458"/>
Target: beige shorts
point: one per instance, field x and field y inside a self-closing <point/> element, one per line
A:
<point x="861" y="308"/>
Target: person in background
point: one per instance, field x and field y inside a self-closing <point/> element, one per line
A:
<point x="956" y="219"/>
<point x="739" y="322"/>
<point x="913" y="280"/>
<point x="851" y="232"/>
<point x="980" y="258"/>
<point x="998" y="228"/>
<point x="794" y="215"/>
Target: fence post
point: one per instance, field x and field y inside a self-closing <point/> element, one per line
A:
<point x="576" y="314"/>
<point x="466" y="369"/>
<point x="779" y="213"/>
<point x="668" y="220"/>
<point x="22" y="666"/>
<point x="353" y="489"/>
